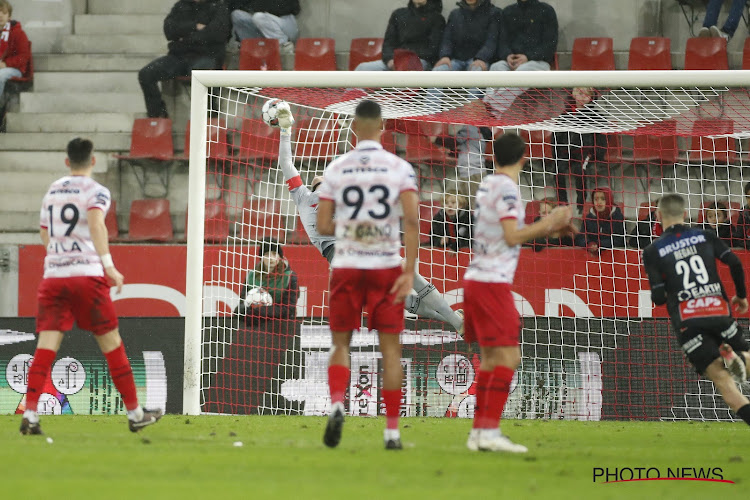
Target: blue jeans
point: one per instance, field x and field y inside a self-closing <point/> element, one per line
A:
<point x="458" y="65"/>
<point x="501" y="98"/>
<point x="735" y="14"/>
<point x="381" y="66"/>
<point x="264" y="25"/>
<point x="6" y="74"/>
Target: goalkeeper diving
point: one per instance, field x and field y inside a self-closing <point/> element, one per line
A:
<point x="427" y="302"/>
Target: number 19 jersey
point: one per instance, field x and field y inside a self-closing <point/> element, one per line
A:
<point x="365" y="185"/>
<point x="65" y="216"/>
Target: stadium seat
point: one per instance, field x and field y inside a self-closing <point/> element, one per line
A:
<point x="705" y="149"/>
<point x="427" y="211"/>
<point x="317" y="138"/>
<point x="647" y="147"/>
<point x="110" y="220"/>
<point x="260" y="54"/>
<point x="217" y="137"/>
<point x="215" y="222"/>
<point x="645" y="208"/>
<point x="592" y="54"/>
<point x="538" y="144"/>
<point x="298" y="235"/>
<point x="650" y="53"/>
<point x="258" y="141"/>
<point x="150" y="220"/>
<point x="262" y="218"/>
<point x="421" y="150"/>
<point x="151" y="138"/>
<point x="406" y="60"/>
<point x="532" y="211"/>
<point x="734" y="211"/>
<point x="364" y="50"/>
<point x="388" y="140"/>
<point x="315" y="54"/>
<point x="746" y="54"/>
<point x="706" y="53"/>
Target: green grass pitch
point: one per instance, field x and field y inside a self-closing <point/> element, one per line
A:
<point x="284" y="458"/>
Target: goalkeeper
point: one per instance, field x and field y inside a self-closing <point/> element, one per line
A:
<point x="426" y="303"/>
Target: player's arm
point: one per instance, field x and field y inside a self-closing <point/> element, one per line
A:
<point x="44" y="235"/>
<point x="410" y="219"/>
<point x="726" y="256"/>
<point x="557" y="220"/>
<point x="325" y="224"/>
<point x="655" y="279"/>
<point x="99" y="237"/>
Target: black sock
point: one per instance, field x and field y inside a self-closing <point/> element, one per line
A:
<point x="744" y="413"/>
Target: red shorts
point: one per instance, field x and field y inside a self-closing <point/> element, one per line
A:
<point x="490" y="314"/>
<point x="353" y="290"/>
<point x="84" y="299"/>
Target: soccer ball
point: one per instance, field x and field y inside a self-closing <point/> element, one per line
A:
<point x="271" y="111"/>
<point x="258" y="296"/>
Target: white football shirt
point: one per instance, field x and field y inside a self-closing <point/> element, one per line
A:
<point x="498" y="198"/>
<point x="366" y="184"/>
<point x="65" y="216"/>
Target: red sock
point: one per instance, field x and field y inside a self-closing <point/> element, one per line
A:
<point x="479" y="407"/>
<point x="122" y="376"/>
<point x="338" y="381"/>
<point x="38" y="373"/>
<point x="497" y="395"/>
<point x="392" y="400"/>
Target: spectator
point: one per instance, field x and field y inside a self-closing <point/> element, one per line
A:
<point x="470" y="37"/>
<point x="742" y="230"/>
<point x="710" y="29"/>
<point x="646" y="230"/>
<point x="197" y="31"/>
<point x="266" y="19"/>
<point x="557" y="238"/>
<point x="604" y="225"/>
<point x="273" y="275"/>
<point x="716" y="219"/>
<point x="452" y="225"/>
<point x="15" y="49"/>
<point x="417" y="27"/>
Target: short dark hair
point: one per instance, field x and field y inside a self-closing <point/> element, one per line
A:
<point x="672" y="205"/>
<point x="79" y="152"/>
<point x="509" y="149"/>
<point x="747" y="187"/>
<point x="270" y="245"/>
<point x="368" y="109"/>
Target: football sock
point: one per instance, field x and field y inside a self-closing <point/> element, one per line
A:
<point x="40" y="367"/>
<point x="136" y="415"/>
<point x="338" y="380"/>
<point x="392" y="400"/>
<point x="479" y="407"/>
<point x="744" y="413"/>
<point x="31" y="416"/>
<point x="496" y="396"/>
<point x="122" y="376"/>
<point x="429" y="303"/>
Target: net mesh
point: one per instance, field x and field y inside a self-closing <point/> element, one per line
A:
<point x="593" y="347"/>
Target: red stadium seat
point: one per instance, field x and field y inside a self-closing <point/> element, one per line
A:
<point x="645" y="208"/>
<point x="364" y="50"/>
<point x="650" y="53"/>
<point x="151" y="138"/>
<point x="150" y="220"/>
<point x="215" y="222"/>
<point x="388" y="140"/>
<point x="217" y="147"/>
<point x="733" y="211"/>
<point x="532" y="211"/>
<point x="421" y="149"/>
<point x="406" y="60"/>
<point x="315" y="54"/>
<point x="592" y="54"/>
<point x="705" y="149"/>
<point x="538" y="144"/>
<point x="317" y="138"/>
<point x="260" y="54"/>
<point x="647" y="147"/>
<point x="110" y="220"/>
<point x="258" y="141"/>
<point x="746" y="54"/>
<point x="262" y="218"/>
<point x="706" y="54"/>
<point x="427" y="211"/>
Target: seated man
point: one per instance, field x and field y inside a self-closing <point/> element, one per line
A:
<point x="197" y="31"/>
<point x="417" y="27"/>
<point x="266" y="19"/>
<point x="15" y="49"/>
<point x="452" y="225"/>
<point x="470" y="37"/>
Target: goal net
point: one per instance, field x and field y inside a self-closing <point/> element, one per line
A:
<point x="593" y="346"/>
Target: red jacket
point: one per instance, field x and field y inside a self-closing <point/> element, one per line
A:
<point x="16" y="50"/>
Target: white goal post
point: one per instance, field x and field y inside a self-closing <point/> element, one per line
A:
<point x="203" y="81"/>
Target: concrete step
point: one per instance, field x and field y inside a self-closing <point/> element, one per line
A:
<point x="130" y="7"/>
<point x="116" y="24"/>
<point x="70" y="122"/>
<point x="58" y="141"/>
<point x="92" y="62"/>
<point x="92" y="102"/>
<point x="87" y="82"/>
<point x="27" y="221"/>
<point x="33" y="183"/>
<point x="45" y="162"/>
<point x="114" y="44"/>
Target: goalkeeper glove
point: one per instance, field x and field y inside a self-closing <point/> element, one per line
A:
<point x="286" y="120"/>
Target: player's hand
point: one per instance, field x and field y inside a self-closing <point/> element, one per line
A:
<point x="740" y="305"/>
<point x="284" y="114"/>
<point x="200" y="26"/>
<point x="568" y="231"/>
<point x="478" y="63"/>
<point x="593" y="248"/>
<point x="445" y="61"/>
<point x="402" y="287"/>
<point x="391" y="65"/>
<point x="559" y="218"/>
<point x="115" y="276"/>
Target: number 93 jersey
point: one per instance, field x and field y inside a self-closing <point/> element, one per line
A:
<point x="366" y="184"/>
<point x="64" y="215"/>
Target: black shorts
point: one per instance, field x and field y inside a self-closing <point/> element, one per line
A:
<point x="701" y="340"/>
<point x="329" y="252"/>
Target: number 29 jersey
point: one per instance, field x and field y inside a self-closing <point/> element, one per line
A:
<point x="366" y="184"/>
<point x="64" y="215"/>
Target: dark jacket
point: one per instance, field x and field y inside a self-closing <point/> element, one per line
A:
<point x="276" y="7"/>
<point x="186" y="40"/>
<point x="607" y="230"/>
<point x="471" y="34"/>
<point x="16" y="51"/>
<point x="284" y="304"/>
<point x="645" y="232"/>
<point x="724" y="231"/>
<point x="417" y="29"/>
<point x="458" y="230"/>
<point x="741" y="236"/>
<point x="528" y="27"/>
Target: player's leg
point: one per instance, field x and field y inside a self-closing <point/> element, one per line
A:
<point x="429" y="303"/>
<point x="45" y="354"/>
<point x="732" y="396"/>
<point x="393" y="377"/>
<point x="736" y="355"/>
<point x="163" y="68"/>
